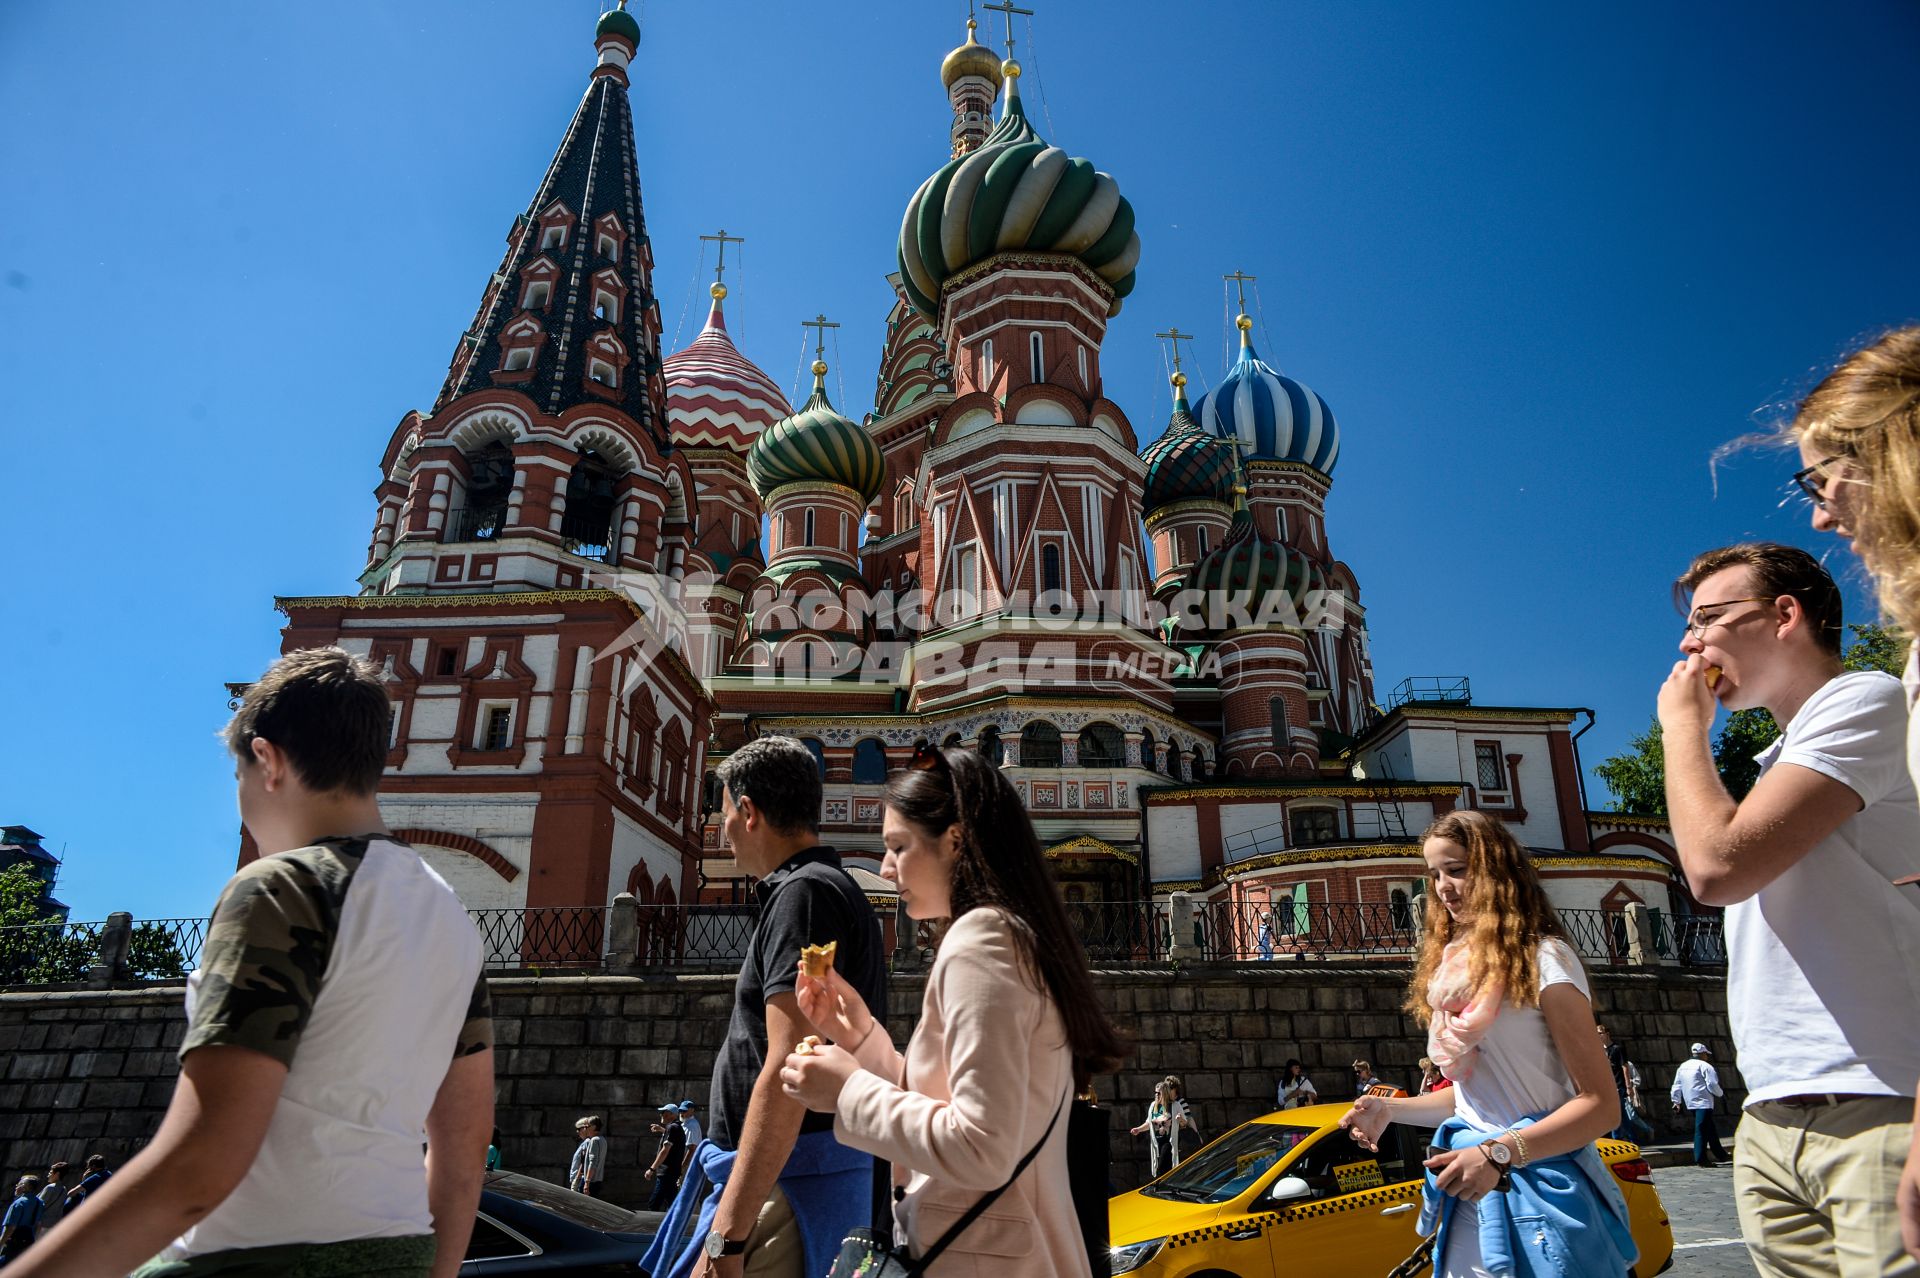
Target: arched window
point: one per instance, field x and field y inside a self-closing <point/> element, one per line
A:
<point x="587" y="526"/>
<point x="1202" y="770"/>
<point x="818" y="751"/>
<point x="1400" y="909"/>
<point x="1202" y="544"/>
<point x="990" y="744"/>
<point x="1084" y="383"/>
<point x="806" y="528"/>
<point x="1050" y="577"/>
<point x="1101" y="746"/>
<point x="1040" y="745"/>
<point x="986" y="361"/>
<point x="869" y="763"/>
<point x="1277" y="713"/>
<point x="489" y="487"/>
<point x="952" y="742"/>
<point x="1038" y="355"/>
<point x="1146" y="751"/>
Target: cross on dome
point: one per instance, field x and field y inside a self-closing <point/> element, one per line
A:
<point x="719" y="287"/>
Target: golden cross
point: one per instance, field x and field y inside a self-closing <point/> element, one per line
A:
<point x="1175" y="336"/>
<point x="1242" y="279"/>
<point x="1009" y="8"/>
<point x="820" y="323"/>
<point x="724" y="240"/>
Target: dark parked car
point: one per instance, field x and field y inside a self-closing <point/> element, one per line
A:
<point x="528" y="1226"/>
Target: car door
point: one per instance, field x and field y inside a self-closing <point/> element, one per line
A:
<point x="1359" y="1211"/>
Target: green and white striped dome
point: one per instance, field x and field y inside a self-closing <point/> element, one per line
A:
<point x="816" y="445"/>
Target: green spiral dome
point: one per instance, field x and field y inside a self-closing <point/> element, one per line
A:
<point x="816" y="445"/>
<point x="1013" y="193"/>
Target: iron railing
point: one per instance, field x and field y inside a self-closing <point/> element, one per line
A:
<point x="715" y="937"/>
<point x="538" y="937"/>
<point x="476" y="523"/>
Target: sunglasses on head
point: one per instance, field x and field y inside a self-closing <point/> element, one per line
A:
<point x="928" y="757"/>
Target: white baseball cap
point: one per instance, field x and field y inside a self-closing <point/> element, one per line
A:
<point x="1700" y="1049"/>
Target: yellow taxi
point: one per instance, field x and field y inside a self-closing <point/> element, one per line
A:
<point x="1291" y="1194"/>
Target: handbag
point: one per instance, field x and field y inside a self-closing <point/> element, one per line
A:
<point x="864" y="1253"/>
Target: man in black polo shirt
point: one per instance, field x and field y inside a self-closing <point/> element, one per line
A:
<point x="787" y="1191"/>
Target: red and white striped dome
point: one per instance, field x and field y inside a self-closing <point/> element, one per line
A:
<point x="717" y="397"/>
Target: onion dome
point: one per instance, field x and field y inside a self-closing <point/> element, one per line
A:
<point x="717" y="397"/>
<point x="971" y="58"/>
<point x="816" y="445"/>
<point x="1274" y="417"/>
<point x="1245" y="569"/>
<point x="1015" y="193"/>
<point x="618" y="22"/>
<point x="1186" y="463"/>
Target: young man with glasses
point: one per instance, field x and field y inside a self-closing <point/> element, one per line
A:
<point x="1823" y="947"/>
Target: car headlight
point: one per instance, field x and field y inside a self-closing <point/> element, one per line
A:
<point x="1132" y="1256"/>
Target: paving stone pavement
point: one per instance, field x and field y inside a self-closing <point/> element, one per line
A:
<point x="1706" y="1229"/>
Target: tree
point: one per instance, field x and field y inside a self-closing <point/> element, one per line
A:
<point x="1637" y="775"/>
<point x="36" y="946"/>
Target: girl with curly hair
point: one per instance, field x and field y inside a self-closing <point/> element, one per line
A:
<point x="1509" y="1021"/>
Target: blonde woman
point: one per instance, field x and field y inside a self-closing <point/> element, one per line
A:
<point x="1158" y="1129"/>
<point x="1508" y="1017"/>
<point x="1859" y="438"/>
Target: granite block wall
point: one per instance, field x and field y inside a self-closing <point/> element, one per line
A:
<point x="90" y="1071"/>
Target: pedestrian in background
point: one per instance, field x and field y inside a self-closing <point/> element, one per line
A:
<point x="1859" y="439"/>
<point x="1158" y="1129"/>
<point x="1266" y="935"/>
<point x="1296" y="1089"/>
<point x="1186" y="1132"/>
<point x="694" y="1136"/>
<point x="21" y="1225"/>
<point x="53" y="1197"/>
<point x="96" y="1175"/>
<point x="1431" y="1079"/>
<point x="1823" y="944"/>
<point x="1617" y="1066"/>
<point x="1696" y="1086"/>
<point x="668" y="1159"/>
<point x="589" y="1167"/>
<point x="1363" y="1078"/>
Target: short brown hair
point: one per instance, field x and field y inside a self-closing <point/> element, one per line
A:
<point x="1777" y="570"/>
<point x="328" y="711"/>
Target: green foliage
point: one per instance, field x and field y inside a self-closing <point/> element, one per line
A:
<point x="35" y="947"/>
<point x="153" y="955"/>
<point x="1637" y="775"/>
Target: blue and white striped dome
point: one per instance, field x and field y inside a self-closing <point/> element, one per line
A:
<point x="1275" y="417"/>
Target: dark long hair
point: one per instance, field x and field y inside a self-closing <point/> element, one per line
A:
<point x="973" y="794"/>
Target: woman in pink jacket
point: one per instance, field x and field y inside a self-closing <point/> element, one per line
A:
<point x="1009" y="1031"/>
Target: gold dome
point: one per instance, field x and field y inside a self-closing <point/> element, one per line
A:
<point x="971" y="58"/>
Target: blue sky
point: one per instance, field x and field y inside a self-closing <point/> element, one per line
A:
<point x="1541" y="260"/>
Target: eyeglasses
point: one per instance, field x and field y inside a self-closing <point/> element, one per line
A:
<point x="1697" y="626"/>
<point x="1813" y="480"/>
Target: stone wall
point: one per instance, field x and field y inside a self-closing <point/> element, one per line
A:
<point x="89" y="1071"/>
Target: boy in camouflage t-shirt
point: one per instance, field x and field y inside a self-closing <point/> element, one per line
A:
<point x="338" y="1017"/>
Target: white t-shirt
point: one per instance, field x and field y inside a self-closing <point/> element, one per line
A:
<point x="1517" y="1071"/>
<point x="1823" y="985"/>
<point x="373" y="985"/>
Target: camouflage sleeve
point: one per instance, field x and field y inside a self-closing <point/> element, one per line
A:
<point x="476" y="1034"/>
<point x="266" y="952"/>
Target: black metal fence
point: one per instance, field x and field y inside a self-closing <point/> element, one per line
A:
<point x="714" y="938"/>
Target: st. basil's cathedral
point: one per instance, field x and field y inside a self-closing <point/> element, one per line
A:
<point x="868" y="585"/>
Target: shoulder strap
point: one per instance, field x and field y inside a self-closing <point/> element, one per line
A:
<point x="987" y="1200"/>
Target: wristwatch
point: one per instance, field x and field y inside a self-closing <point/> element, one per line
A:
<point x="718" y="1245"/>
<point x="1497" y="1153"/>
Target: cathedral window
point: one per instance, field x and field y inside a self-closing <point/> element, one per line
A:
<point x="1313" y="827"/>
<point x="606" y="306"/>
<point x="806" y="528"/>
<point x="553" y="237"/>
<point x="1083" y="368"/>
<point x="606" y="246"/>
<point x="869" y="762"/>
<point x="1051" y="579"/>
<point x="903" y="516"/>
<point x="818" y="751"/>
<point x="1202" y="544"/>
<point x="1102" y="746"/>
<point x="535" y="295"/>
<point x="1146" y="751"/>
<point x="587" y="525"/>
<point x="1487" y="766"/>
<point x="986" y="361"/>
<point x="603" y="371"/>
<point x="1040" y="745"/>
<point x="990" y="744"/>
<point x="519" y="359"/>
<point x="496" y="731"/>
<point x="1277" y="712"/>
<point x="1037" y="355"/>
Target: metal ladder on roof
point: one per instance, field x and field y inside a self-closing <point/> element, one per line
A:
<point x="1391" y="820"/>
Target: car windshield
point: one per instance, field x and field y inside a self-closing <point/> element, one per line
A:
<point x="1224" y="1169"/>
<point x="574" y="1208"/>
